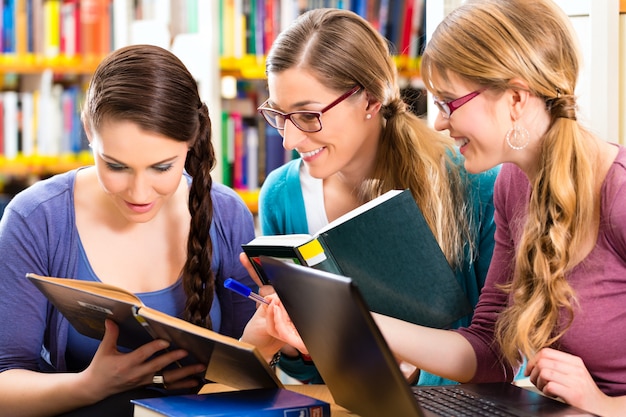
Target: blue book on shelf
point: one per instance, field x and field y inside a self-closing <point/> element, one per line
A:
<point x="273" y="402"/>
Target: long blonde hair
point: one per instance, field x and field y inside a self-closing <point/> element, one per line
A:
<point x="490" y="42"/>
<point x="342" y="50"/>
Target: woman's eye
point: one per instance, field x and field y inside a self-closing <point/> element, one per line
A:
<point x="115" y="167"/>
<point x="308" y="117"/>
<point x="163" y="168"/>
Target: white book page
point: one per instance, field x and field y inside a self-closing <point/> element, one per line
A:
<point x="361" y="209"/>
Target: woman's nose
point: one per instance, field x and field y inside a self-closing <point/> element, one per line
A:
<point x="292" y="136"/>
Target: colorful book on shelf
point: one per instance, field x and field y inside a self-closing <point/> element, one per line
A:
<point x="228" y="153"/>
<point x="239" y="168"/>
<point x="259" y="403"/>
<point x="1" y="124"/>
<point x="52" y="28"/>
<point x="21" y="26"/>
<point x="70" y="28"/>
<point x="388" y="249"/>
<point x="275" y="153"/>
<point x="8" y="10"/>
<point x="11" y="124"/>
<point x="28" y="123"/>
<point x="95" y="28"/>
<point x="86" y="305"/>
<point x="270" y="25"/>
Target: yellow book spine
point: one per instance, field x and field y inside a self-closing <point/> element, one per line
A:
<point x="52" y="27"/>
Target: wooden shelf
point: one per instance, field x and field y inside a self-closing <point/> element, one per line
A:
<point x="32" y="64"/>
<point x="252" y="67"/>
<point x="42" y="165"/>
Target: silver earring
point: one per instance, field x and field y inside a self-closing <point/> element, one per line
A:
<point x="368" y="116"/>
<point x="517" y="137"/>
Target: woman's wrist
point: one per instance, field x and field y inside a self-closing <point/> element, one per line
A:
<point x="289" y="352"/>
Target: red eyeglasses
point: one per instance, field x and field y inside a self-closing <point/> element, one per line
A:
<point x="306" y="121"/>
<point x="448" y="107"/>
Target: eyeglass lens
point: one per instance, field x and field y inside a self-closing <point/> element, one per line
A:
<point x="306" y="121"/>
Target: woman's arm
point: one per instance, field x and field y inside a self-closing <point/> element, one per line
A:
<point x="440" y="352"/>
<point x="29" y="393"/>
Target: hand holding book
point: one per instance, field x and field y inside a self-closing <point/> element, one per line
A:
<point x="88" y="305"/>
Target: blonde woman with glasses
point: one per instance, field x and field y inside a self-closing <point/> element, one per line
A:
<point x="334" y="98"/>
<point x="503" y="73"/>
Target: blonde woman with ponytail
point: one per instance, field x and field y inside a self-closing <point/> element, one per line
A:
<point x="363" y="142"/>
<point x="503" y="74"/>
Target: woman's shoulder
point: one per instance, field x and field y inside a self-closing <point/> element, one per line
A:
<point x="226" y="199"/>
<point x="286" y="173"/>
<point x="282" y="181"/>
<point x="55" y="193"/>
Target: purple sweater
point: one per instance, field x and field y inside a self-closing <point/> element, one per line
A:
<point x="38" y="234"/>
<point x="598" y="332"/>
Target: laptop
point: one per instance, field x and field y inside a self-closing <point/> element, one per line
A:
<point x="358" y="366"/>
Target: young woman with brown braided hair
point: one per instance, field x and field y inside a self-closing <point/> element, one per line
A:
<point x="146" y="217"/>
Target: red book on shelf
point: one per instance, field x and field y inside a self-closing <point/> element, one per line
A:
<point x="95" y="27"/>
<point x="70" y="27"/>
<point x="270" y="25"/>
<point x="239" y="174"/>
<point x="406" y="28"/>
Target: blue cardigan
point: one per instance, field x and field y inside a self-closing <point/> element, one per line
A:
<point x="38" y="234"/>
<point x="282" y="211"/>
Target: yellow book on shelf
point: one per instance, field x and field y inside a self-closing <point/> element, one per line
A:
<point x="52" y="27"/>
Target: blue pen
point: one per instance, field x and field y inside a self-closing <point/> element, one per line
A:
<point x="241" y="289"/>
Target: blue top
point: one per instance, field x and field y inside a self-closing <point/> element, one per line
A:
<point x="38" y="234"/>
<point x="282" y="211"/>
<point x="171" y="300"/>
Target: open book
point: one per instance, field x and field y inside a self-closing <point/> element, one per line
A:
<point x="87" y="304"/>
<point x="388" y="249"/>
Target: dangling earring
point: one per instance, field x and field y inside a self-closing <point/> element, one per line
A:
<point x="517" y="137"/>
<point x="368" y="116"/>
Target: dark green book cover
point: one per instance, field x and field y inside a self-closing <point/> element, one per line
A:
<point x="392" y="255"/>
<point x="387" y="248"/>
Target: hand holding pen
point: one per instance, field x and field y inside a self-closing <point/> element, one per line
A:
<point x="244" y="291"/>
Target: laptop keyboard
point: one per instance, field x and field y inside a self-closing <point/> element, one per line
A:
<point x="455" y="402"/>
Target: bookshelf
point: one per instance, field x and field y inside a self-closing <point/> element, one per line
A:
<point x="223" y="43"/>
<point x="242" y="66"/>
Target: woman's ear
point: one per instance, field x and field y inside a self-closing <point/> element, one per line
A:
<point x="88" y="133"/>
<point x="373" y="105"/>
<point x="519" y="97"/>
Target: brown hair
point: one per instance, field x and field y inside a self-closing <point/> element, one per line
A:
<point x="151" y="87"/>
<point x="343" y="50"/>
<point x="489" y="43"/>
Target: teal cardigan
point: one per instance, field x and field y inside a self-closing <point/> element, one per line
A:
<point x="282" y="211"/>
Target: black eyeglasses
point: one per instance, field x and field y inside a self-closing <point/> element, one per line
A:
<point x="306" y="121"/>
<point x="448" y="107"/>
